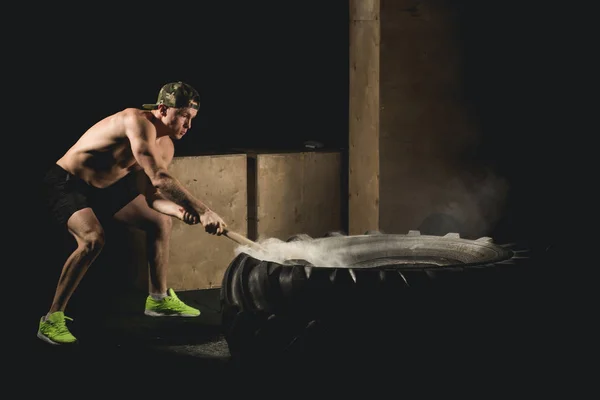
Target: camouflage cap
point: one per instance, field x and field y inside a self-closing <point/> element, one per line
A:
<point x="176" y="94"/>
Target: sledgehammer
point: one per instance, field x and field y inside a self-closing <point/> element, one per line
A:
<point x="236" y="237"/>
<point x="244" y="241"/>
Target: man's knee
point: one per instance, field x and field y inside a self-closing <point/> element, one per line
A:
<point x="165" y="223"/>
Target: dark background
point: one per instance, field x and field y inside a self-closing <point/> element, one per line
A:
<point x="270" y="76"/>
<point x="273" y="75"/>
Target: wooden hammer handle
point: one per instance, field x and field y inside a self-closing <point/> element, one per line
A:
<point x="240" y="239"/>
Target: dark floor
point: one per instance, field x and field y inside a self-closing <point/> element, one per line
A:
<point x="119" y="347"/>
<point x="128" y="352"/>
<point x="505" y="349"/>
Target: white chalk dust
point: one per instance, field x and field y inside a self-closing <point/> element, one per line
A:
<point x="313" y="251"/>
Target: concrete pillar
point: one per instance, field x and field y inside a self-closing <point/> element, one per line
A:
<point x="363" y="152"/>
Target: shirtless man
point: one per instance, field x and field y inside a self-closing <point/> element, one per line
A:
<point x="95" y="179"/>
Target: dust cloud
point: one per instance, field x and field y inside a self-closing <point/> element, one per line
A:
<point x="279" y="251"/>
<point x="475" y="201"/>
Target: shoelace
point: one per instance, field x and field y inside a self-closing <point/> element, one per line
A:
<point x="176" y="302"/>
<point x="61" y="326"/>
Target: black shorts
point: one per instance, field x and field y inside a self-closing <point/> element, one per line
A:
<point x="66" y="194"/>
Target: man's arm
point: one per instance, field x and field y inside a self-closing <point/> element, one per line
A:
<point x="165" y="206"/>
<point x="147" y="154"/>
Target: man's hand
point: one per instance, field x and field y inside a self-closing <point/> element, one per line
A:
<point x="190" y="218"/>
<point x="212" y="223"/>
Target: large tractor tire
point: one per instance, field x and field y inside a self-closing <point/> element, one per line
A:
<point x="395" y="294"/>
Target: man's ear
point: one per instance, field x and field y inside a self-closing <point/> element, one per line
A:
<point x="163" y="109"/>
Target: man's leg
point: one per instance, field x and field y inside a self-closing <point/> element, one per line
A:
<point x="157" y="227"/>
<point x="89" y="235"/>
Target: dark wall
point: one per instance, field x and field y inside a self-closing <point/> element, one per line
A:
<point x="520" y="77"/>
<point x="481" y="107"/>
<point x="275" y="76"/>
<point x="269" y="76"/>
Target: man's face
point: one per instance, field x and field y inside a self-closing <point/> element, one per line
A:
<point x="179" y="120"/>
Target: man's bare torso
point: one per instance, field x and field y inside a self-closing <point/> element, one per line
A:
<point x="103" y="154"/>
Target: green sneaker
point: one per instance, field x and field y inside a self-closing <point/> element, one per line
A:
<point x="169" y="306"/>
<point x="53" y="329"/>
